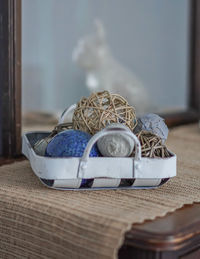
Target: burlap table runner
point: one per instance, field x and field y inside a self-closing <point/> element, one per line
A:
<point x="36" y="222"/>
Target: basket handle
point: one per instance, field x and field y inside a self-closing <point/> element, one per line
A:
<point x="100" y="134"/>
<point x="66" y="112"/>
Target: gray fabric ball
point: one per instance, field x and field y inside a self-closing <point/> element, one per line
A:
<point x="153" y="123"/>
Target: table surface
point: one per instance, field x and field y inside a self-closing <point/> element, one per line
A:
<point x="173" y="232"/>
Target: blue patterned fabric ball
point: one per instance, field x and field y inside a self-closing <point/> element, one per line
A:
<point x="70" y="143"/>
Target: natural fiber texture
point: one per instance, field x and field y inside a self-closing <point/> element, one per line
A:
<point x="36" y="222"/>
<point x="100" y="109"/>
<point x="151" y="145"/>
<point x="60" y="127"/>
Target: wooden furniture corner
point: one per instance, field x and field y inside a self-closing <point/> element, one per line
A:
<point x="177" y="235"/>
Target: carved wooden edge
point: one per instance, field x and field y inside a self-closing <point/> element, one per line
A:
<point x="163" y="242"/>
<point x="179" y="230"/>
<point x="10" y="77"/>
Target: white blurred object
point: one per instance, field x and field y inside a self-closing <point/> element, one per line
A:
<point x="67" y="114"/>
<point x="103" y="72"/>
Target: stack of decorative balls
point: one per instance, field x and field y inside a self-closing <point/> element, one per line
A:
<point x="98" y="111"/>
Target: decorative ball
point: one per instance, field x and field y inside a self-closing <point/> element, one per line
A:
<point x="151" y="145"/>
<point x="100" y="109"/>
<point x="70" y="143"/>
<point x="117" y="144"/>
<point x="41" y="145"/>
<point x="153" y="123"/>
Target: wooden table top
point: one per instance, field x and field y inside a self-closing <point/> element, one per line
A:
<point x="171" y="232"/>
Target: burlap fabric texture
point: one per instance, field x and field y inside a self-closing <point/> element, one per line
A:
<point x="37" y="222"/>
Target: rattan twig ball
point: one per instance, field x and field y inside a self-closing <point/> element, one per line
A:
<point x="151" y="145"/>
<point x="100" y="109"/>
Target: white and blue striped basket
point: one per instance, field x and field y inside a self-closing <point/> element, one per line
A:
<point x="91" y="173"/>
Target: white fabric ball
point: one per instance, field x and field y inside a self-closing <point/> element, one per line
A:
<point x="117" y="144"/>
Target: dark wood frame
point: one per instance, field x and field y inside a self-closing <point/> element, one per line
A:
<point x="10" y="76"/>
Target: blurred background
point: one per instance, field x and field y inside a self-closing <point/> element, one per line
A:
<point x="148" y="38"/>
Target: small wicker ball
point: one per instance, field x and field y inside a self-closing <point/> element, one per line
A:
<point x="151" y="145"/>
<point x="70" y="143"/>
<point x="100" y="109"/>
